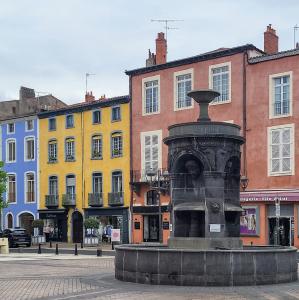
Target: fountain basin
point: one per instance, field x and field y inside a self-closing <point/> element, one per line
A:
<point x="252" y="265"/>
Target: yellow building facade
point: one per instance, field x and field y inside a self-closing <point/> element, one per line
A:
<point x="84" y="168"/>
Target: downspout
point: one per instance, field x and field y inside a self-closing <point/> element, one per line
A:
<point x="131" y="163"/>
<point x="82" y="169"/>
<point x="244" y="111"/>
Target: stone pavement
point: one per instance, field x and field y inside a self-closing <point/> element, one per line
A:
<point x="63" y="277"/>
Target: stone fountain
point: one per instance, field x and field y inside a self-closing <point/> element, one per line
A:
<point x="205" y="246"/>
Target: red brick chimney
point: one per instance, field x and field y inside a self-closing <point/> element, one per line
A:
<point x="270" y="40"/>
<point x="89" y="97"/>
<point x="161" y="49"/>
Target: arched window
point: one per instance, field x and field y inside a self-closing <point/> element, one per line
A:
<point x="30" y="187"/>
<point x="9" y="221"/>
<point x="70" y="149"/>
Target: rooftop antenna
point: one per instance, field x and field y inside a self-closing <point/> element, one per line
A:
<point x="296" y="27"/>
<point x="166" y="21"/>
<point x="86" y="79"/>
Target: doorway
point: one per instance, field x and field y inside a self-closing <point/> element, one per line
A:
<point x="25" y="221"/>
<point x="284" y="231"/>
<point x="77" y="221"/>
<point x="151" y="228"/>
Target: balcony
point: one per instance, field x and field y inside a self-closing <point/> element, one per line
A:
<point x="116" y="199"/>
<point x="51" y="200"/>
<point x="69" y="199"/>
<point x="95" y="199"/>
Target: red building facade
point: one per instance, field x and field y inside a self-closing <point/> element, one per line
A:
<point x="246" y="78"/>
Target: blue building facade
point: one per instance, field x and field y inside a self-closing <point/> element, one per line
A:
<point x="20" y="156"/>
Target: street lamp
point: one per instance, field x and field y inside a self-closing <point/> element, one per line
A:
<point x="160" y="183"/>
<point x="244" y="182"/>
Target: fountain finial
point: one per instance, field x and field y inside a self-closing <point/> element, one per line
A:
<point x="203" y="98"/>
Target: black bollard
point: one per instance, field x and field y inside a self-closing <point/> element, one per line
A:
<point x="39" y="249"/>
<point x="112" y="245"/>
<point x="76" y="249"/>
<point x="56" y="251"/>
<point x="99" y="252"/>
<point x="251" y="243"/>
<point x="50" y="244"/>
<point x="81" y="245"/>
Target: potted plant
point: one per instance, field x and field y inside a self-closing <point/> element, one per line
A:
<point x="38" y="237"/>
<point x="91" y="237"/>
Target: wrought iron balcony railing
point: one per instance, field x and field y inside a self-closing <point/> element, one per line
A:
<point x="51" y="200"/>
<point x="115" y="199"/>
<point x="69" y="199"/>
<point x="95" y="199"/>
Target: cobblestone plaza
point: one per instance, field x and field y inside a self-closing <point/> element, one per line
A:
<point x="32" y="276"/>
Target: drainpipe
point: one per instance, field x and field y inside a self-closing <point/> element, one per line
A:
<point x="82" y="171"/>
<point x="131" y="165"/>
<point x="244" y="111"/>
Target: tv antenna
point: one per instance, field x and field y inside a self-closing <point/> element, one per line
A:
<point x="166" y="21"/>
<point x="86" y="79"/>
<point x="296" y="27"/>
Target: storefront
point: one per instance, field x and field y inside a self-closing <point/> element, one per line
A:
<point x="111" y="218"/>
<point x="270" y="217"/>
<point x="55" y="222"/>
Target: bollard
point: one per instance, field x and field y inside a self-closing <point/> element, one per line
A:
<point x="251" y="243"/>
<point x="56" y="250"/>
<point x="99" y="252"/>
<point x="112" y="245"/>
<point x="82" y="245"/>
<point x="76" y="249"/>
<point x="50" y="244"/>
<point x="39" y="249"/>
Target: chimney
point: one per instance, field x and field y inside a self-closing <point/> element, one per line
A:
<point x="26" y="93"/>
<point x="161" y="49"/>
<point x="89" y="97"/>
<point x="151" y="60"/>
<point x="270" y="40"/>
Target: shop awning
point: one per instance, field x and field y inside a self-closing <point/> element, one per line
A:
<point x="52" y="211"/>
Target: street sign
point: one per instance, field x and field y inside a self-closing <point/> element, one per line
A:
<point x="115" y="235"/>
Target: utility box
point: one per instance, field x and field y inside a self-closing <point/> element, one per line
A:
<point x="4" y="246"/>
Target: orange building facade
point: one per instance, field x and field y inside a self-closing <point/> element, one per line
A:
<point x="259" y="92"/>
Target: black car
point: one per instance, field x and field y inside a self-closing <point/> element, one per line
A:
<point x="17" y="237"/>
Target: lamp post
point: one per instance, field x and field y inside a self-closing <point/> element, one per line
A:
<point x="244" y="182"/>
<point x="160" y="183"/>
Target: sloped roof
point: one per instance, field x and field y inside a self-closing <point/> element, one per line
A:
<point x="277" y="55"/>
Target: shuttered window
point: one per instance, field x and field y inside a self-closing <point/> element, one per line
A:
<point x="151" y="152"/>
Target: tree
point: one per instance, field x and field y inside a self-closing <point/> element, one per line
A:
<point x="91" y="224"/>
<point x="3" y="179"/>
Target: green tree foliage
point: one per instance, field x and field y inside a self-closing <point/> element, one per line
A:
<point x="91" y="223"/>
<point x="3" y="179"/>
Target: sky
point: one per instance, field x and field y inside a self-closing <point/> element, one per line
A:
<point x="50" y="45"/>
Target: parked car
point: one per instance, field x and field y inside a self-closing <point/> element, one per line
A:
<point x="17" y="237"/>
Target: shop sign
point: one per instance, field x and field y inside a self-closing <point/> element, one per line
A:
<point x="50" y="216"/>
<point x="165" y="225"/>
<point x="115" y="235"/>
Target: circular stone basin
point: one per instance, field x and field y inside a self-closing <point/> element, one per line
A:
<point x="253" y="265"/>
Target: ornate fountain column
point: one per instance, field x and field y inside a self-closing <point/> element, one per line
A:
<point x="204" y="160"/>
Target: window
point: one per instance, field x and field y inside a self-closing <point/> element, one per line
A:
<point x="11" y="151"/>
<point x="115" y="114"/>
<point x="151" y="95"/>
<point x="97" y="183"/>
<point x="96" y="117"/>
<point x="70" y="149"/>
<point x="151" y="150"/>
<point x="29" y="148"/>
<point x="116" y="144"/>
<point x="30" y="197"/>
<point x="52" y="124"/>
<point x="11" y="190"/>
<point x="220" y="81"/>
<point x="152" y="197"/>
<point x="29" y="125"/>
<point x="52" y="151"/>
<point x="117" y="182"/>
<point x="69" y="121"/>
<point x="183" y="85"/>
<point x="71" y="186"/>
<point x="11" y="128"/>
<point x="53" y="185"/>
<point x="281" y="150"/>
<point x="280" y="95"/>
<point x="96" y="147"/>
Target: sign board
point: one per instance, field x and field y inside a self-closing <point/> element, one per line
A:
<point x="215" y="228"/>
<point x="115" y="235"/>
<point x="165" y="225"/>
<point x="136" y="225"/>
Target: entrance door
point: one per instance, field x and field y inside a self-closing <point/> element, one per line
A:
<point x="151" y="228"/>
<point x="284" y="232"/>
<point x="77" y="227"/>
<point x="25" y="221"/>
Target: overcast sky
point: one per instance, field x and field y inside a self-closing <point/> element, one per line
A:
<point x="49" y="45"/>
